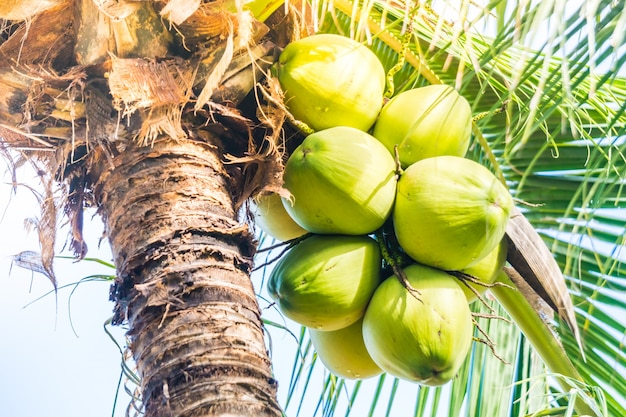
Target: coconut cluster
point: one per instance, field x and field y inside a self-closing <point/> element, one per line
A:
<point x="375" y="169"/>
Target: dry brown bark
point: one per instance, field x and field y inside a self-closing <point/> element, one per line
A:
<point x="183" y="264"/>
<point x="91" y="100"/>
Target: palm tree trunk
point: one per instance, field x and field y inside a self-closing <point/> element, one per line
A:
<point x="183" y="259"/>
<point x="183" y="284"/>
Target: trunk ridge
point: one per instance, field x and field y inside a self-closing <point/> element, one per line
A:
<point x="183" y="283"/>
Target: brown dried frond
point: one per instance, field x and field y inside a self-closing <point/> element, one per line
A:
<point x="263" y="163"/>
<point x="272" y="111"/>
<point x="14" y="139"/>
<point x="43" y="38"/>
<point x="209" y="20"/>
<point x="177" y="11"/>
<point x="241" y="32"/>
<point x="45" y="225"/>
<point x="35" y="98"/>
<point x="294" y="22"/>
<point x="534" y="264"/>
<point x="18" y="10"/>
<point x="137" y="83"/>
<point x="117" y="10"/>
<point x="54" y="100"/>
<point x="538" y="304"/>
<point x="262" y="173"/>
<point x="159" y="88"/>
<point x="48" y="128"/>
<point x="72" y="78"/>
<point x="73" y="208"/>
<point x="159" y="121"/>
<point x="214" y="77"/>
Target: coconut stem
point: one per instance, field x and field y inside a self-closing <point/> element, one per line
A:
<point x="396" y="156"/>
<point x="465" y="279"/>
<point x="288" y="244"/>
<point x="395" y="261"/>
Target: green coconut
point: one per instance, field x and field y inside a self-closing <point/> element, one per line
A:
<point x="272" y="218"/>
<point x="342" y="181"/>
<point x="450" y="212"/>
<point x="343" y="352"/>
<point x="423" y="340"/>
<point x="485" y="271"/>
<point x="331" y="80"/>
<point x="425" y="122"/>
<point x="325" y="282"/>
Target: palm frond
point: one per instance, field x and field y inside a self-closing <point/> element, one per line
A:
<point x="550" y="105"/>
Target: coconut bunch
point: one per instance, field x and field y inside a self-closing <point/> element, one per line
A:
<point x="387" y="216"/>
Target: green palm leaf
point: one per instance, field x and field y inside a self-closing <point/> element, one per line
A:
<point x="552" y="118"/>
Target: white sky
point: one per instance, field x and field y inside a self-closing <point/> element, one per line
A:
<point x="46" y="369"/>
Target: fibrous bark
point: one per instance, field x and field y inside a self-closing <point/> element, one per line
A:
<point x="183" y="284"/>
<point x="85" y="85"/>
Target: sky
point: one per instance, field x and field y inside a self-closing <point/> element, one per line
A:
<point x="56" y="359"/>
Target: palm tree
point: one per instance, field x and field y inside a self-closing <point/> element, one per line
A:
<point x="134" y="108"/>
<point x="168" y="200"/>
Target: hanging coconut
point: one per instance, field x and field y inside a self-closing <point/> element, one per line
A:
<point x="325" y="282"/>
<point x="450" y="212"/>
<point x="272" y="218"/>
<point x="486" y="271"/>
<point x="343" y="352"/>
<point x="424" y="340"/>
<point x="342" y="181"/>
<point x="331" y="80"/>
<point x="425" y="122"/>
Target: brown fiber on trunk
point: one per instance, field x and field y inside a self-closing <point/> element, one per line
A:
<point x="183" y="282"/>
